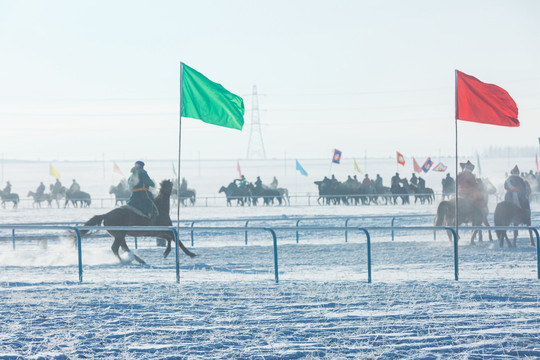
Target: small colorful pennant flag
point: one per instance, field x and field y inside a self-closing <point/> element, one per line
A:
<point x="117" y="170"/>
<point x="238" y="168"/>
<point x="336" y="159"/>
<point x="427" y="165"/>
<point x="174" y="169"/>
<point x="301" y="169"/>
<point x="400" y="159"/>
<point x="440" y="167"/>
<point x="53" y="172"/>
<point x="416" y="167"/>
<point x="356" y="167"/>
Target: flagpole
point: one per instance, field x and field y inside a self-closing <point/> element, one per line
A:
<point x="456" y="195"/>
<point x="178" y="174"/>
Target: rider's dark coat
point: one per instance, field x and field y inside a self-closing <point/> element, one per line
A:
<point x="141" y="198"/>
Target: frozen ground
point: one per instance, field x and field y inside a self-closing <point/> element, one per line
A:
<point x="227" y="305"/>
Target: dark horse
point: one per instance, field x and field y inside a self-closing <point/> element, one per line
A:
<point x="468" y="212"/>
<point x="123" y="216"/>
<point x="233" y="192"/>
<point x="507" y="213"/>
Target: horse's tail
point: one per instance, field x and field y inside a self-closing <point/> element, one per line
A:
<point x="94" y="221"/>
<point x="442" y="211"/>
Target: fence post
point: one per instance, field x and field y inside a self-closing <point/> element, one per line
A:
<point x="136" y="245"/>
<point x="537" y="251"/>
<point x="192" y="223"/>
<point x="368" y="238"/>
<point x="177" y="260"/>
<point x="456" y="257"/>
<point x="274" y="238"/>
<point x="79" y="253"/>
<point x="392" y="225"/>
<point x="297" y="222"/>
<point x="13" y="237"/>
<point x="246" y="232"/>
<point x="347" y="231"/>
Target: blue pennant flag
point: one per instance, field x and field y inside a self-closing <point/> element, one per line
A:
<point x="427" y="165"/>
<point x="300" y="168"/>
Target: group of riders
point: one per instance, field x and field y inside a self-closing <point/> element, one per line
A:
<point x="367" y="191"/>
<point x="245" y="192"/>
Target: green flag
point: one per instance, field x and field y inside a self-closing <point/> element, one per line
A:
<point x="210" y="102"/>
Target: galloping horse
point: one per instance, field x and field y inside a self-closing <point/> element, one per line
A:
<point x="78" y="198"/>
<point x="123" y="216"/>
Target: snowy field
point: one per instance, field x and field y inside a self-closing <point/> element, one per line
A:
<point x="228" y="306"/>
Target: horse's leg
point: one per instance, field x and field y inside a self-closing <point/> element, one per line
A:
<point x="124" y="246"/>
<point x="531" y="237"/>
<point x="116" y="245"/>
<point x="486" y="223"/>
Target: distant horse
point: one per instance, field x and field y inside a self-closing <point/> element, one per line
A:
<point x="284" y="195"/>
<point x="188" y="195"/>
<point x="121" y="194"/>
<point x="468" y="212"/>
<point x="57" y="194"/>
<point x="268" y="195"/>
<point x="425" y="194"/>
<point x="507" y="213"/>
<point x="11" y="197"/>
<point x="123" y="216"/>
<point x="39" y="198"/>
<point x="78" y="198"/>
<point x="233" y="192"/>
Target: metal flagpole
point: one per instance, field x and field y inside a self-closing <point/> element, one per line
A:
<point x="456" y="195"/>
<point x="178" y="175"/>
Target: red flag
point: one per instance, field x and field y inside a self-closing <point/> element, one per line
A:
<point x="416" y="167"/>
<point x="238" y="168"/>
<point x="400" y="159"/>
<point x="117" y="170"/>
<point x="483" y="103"/>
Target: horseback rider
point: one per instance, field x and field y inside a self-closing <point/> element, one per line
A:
<point x="366" y="182"/>
<point x="395" y="181"/>
<point x="183" y="185"/>
<point x="414" y="180"/>
<point x="139" y="183"/>
<point x="57" y="187"/>
<point x="379" y="184"/>
<point x="517" y="190"/>
<point x="242" y="182"/>
<point x="75" y="187"/>
<point x="468" y="186"/>
<point x="274" y="183"/>
<point x="421" y="184"/>
<point x="40" y="190"/>
<point x="7" y="189"/>
<point x="448" y="185"/>
<point x="258" y="182"/>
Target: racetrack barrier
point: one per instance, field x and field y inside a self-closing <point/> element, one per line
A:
<point x="272" y="230"/>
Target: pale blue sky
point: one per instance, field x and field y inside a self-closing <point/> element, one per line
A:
<point x="79" y="80"/>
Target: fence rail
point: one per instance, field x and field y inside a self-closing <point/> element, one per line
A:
<point x="272" y="230"/>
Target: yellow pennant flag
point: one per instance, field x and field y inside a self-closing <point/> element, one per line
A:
<point x="53" y="172"/>
<point x="356" y="167"/>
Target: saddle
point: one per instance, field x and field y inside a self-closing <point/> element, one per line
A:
<point x="137" y="211"/>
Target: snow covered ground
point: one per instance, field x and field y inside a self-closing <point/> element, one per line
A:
<point x="228" y="306"/>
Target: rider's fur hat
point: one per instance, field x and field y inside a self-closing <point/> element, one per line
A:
<point x="139" y="163"/>
<point x="515" y="170"/>
<point x="467" y="166"/>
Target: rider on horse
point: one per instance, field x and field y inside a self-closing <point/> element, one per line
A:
<point x="468" y="186"/>
<point x="517" y="190"/>
<point x="141" y="198"/>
